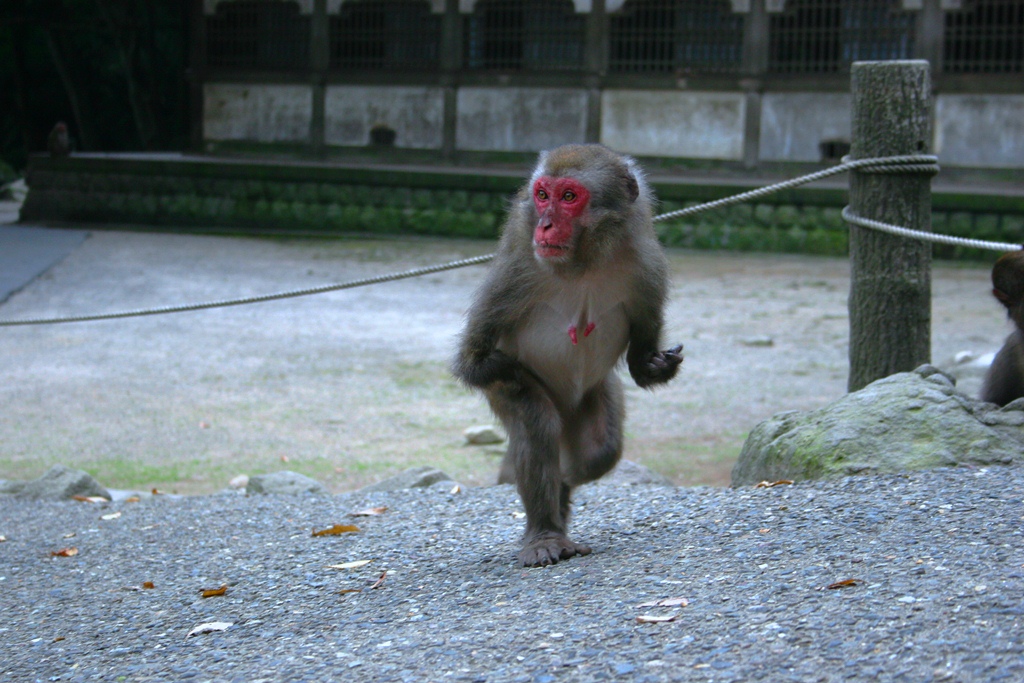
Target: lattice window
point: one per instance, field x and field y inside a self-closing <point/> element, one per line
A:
<point x="677" y="36"/>
<point x="986" y="36"/>
<point x="385" y="34"/>
<point x="524" y="34"/>
<point x="259" y="34"/>
<point x="825" y="36"/>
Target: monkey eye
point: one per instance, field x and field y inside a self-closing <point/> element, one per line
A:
<point x="542" y="195"/>
<point x="568" y="196"/>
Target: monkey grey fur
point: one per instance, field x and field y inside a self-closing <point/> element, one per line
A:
<point x="579" y="280"/>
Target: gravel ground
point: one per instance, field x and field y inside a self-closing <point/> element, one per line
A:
<point x="937" y="557"/>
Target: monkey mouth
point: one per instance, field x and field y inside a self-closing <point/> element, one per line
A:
<point x="548" y="250"/>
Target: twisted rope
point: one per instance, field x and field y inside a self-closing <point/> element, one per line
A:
<point x="915" y="163"/>
<point x="850" y="217"/>
<point x="416" y="272"/>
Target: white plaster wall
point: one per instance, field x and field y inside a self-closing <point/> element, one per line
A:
<point x="793" y="124"/>
<point x="520" y="119"/>
<point x="698" y="125"/>
<point x="415" y="113"/>
<point x="980" y="130"/>
<point x="257" y="113"/>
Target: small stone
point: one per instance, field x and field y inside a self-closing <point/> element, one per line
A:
<point x="628" y="472"/>
<point x="285" y="482"/>
<point x="62" y="483"/>
<point x="239" y="482"/>
<point x="762" y="340"/>
<point x="963" y="357"/>
<point x="482" y="435"/>
<point x="11" y="487"/>
<point x="416" y="477"/>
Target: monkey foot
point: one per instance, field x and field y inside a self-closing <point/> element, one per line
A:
<point x="548" y="548"/>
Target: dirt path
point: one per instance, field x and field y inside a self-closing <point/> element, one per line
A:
<point x="352" y="386"/>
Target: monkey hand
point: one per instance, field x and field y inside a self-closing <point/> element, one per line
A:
<point x="658" y="367"/>
<point x="548" y="548"/>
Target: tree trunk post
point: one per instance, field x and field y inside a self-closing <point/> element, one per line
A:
<point x="890" y="276"/>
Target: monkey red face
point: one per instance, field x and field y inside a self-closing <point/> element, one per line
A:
<point x="560" y="202"/>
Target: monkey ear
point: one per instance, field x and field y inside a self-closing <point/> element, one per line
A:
<point x="632" y="187"/>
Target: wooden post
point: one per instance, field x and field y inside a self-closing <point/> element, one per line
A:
<point x="319" y="62"/>
<point x="890" y="277"/>
<point x="451" y="64"/>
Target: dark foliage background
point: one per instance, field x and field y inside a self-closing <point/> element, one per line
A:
<point x="113" y="70"/>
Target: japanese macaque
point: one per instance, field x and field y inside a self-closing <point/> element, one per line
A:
<point x="58" y="141"/>
<point x="579" y="279"/>
<point x="1005" y="379"/>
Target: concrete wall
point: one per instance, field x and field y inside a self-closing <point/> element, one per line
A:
<point x="699" y="125"/>
<point x="970" y="130"/>
<point x="980" y="130"/>
<point x="257" y="113"/>
<point x="416" y="114"/>
<point x="793" y="124"/>
<point x="520" y="119"/>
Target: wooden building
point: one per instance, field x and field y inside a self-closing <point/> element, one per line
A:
<point x="740" y="81"/>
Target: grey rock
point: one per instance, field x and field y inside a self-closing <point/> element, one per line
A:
<point x="61" y="483"/>
<point x="9" y="487"/>
<point x="416" y="477"/>
<point x="286" y="482"/>
<point x="628" y="472"/>
<point x="910" y="420"/>
<point x="762" y="340"/>
<point x="482" y="435"/>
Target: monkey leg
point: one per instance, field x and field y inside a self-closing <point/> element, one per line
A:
<point x="534" y="429"/>
<point x="593" y="433"/>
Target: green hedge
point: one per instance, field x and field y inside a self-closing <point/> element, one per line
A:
<point x="259" y="205"/>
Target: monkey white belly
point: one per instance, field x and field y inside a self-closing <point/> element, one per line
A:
<point x="573" y="338"/>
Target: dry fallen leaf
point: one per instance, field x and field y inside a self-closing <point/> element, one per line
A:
<point x="652" y="619"/>
<point x="214" y="592"/>
<point x="456" y="489"/>
<point x="69" y="535"/>
<point x="845" y="583"/>
<point x="65" y="552"/>
<point x="148" y="584"/>
<point x="349" y="565"/>
<point x="770" y="484"/>
<point x="58" y="639"/>
<point x="210" y="627"/>
<point x="132" y="499"/>
<point x="350" y="590"/>
<point x="90" y="499"/>
<point x="666" y="602"/>
<point x="336" y="529"/>
<point x="112" y="515"/>
<point x="284" y="458"/>
<point x="380" y="582"/>
<point x="157" y="492"/>
<point x="369" y="512"/>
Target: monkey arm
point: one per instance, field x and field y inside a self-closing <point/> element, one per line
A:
<point x="479" y="362"/>
<point x="648" y="364"/>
